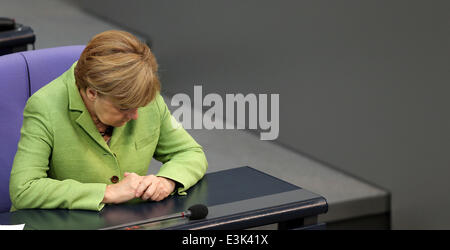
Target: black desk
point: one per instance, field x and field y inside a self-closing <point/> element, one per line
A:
<point x="237" y="198"/>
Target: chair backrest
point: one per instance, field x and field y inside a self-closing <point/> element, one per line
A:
<point x="22" y="74"/>
<point x="44" y="65"/>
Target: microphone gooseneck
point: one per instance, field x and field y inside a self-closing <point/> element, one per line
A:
<point x="195" y="212"/>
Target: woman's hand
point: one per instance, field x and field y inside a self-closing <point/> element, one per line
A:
<point x="155" y="188"/>
<point x="123" y="191"/>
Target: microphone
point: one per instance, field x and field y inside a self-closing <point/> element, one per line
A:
<point x="195" y="212"/>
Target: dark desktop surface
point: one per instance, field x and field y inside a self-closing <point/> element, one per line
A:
<point x="236" y="198"/>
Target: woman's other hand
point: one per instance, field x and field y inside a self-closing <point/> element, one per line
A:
<point x="155" y="188"/>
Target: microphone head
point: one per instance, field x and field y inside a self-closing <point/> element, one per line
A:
<point x="198" y="211"/>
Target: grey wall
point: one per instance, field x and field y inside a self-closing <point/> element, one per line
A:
<point x="363" y="85"/>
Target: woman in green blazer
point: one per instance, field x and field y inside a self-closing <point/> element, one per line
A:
<point x="88" y="136"/>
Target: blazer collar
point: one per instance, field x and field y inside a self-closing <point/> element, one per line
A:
<point x="75" y="101"/>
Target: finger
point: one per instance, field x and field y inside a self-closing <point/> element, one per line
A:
<point x="136" y="182"/>
<point x="169" y="185"/>
<point x="156" y="195"/>
<point x="150" y="191"/>
<point x="166" y="188"/>
<point x="130" y="174"/>
<point x="143" y="186"/>
<point x="162" y="196"/>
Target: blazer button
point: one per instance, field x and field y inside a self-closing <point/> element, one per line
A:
<point x="114" y="179"/>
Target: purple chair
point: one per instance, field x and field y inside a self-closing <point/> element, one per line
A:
<point x="22" y="74"/>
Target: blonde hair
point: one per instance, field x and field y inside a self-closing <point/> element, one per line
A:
<point x="116" y="64"/>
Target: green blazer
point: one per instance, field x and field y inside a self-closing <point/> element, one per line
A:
<point x="63" y="162"/>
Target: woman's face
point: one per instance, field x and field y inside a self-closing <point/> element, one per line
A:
<point x="110" y="114"/>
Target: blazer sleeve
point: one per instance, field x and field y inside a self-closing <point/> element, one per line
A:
<point x="183" y="158"/>
<point x="30" y="187"/>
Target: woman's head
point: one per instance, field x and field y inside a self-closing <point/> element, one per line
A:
<point x="119" y="74"/>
